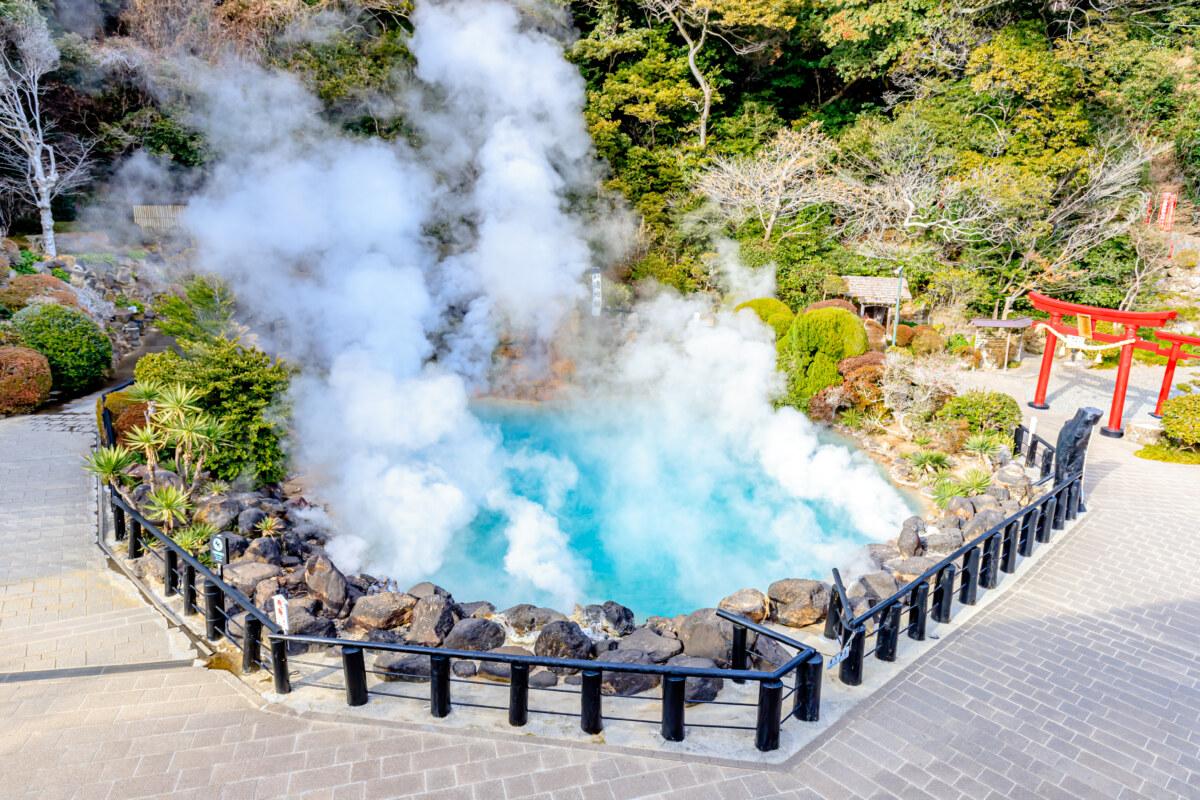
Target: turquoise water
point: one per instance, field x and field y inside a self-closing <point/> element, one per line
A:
<point x="663" y="525"/>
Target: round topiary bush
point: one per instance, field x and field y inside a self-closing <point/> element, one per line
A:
<point x="765" y="307"/>
<point x="24" y="380"/>
<point x="904" y="335"/>
<point x="845" y="305"/>
<point x="983" y="411"/>
<point x="780" y="323"/>
<point x="815" y="344"/>
<point x="927" y="342"/>
<point x="1181" y="421"/>
<point x="78" y="351"/>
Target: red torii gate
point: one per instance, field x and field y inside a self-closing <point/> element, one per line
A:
<point x="1129" y="341"/>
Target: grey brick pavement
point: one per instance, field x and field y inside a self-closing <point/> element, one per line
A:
<point x="1081" y="681"/>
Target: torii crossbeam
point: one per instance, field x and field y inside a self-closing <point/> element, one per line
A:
<point x="1128" y="342"/>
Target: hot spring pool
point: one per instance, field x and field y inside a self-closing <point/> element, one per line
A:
<point x="662" y="525"/>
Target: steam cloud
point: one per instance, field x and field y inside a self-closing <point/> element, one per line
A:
<point x="328" y="241"/>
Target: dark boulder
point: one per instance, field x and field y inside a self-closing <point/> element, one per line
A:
<point x="426" y="589"/>
<point x="478" y="608"/>
<point x="326" y="583"/>
<point x="264" y="550"/>
<point x="705" y="635"/>
<point x="219" y="511"/>
<point x="403" y="667"/>
<point x="982" y="522"/>
<point x="464" y="669"/>
<point x="618" y="617"/>
<point x="797" y="602"/>
<point x="909" y="541"/>
<point x="246" y="575"/>
<point x="657" y="648"/>
<point x="499" y="670"/>
<point x="525" y="618"/>
<point x="432" y="618"/>
<point x="624" y="684"/>
<point x="563" y="639"/>
<point x="474" y="634"/>
<point x="247" y="521"/>
<point x="698" y="690"/>
<point x="542" y="679"/>
<point x="383" y="610"/>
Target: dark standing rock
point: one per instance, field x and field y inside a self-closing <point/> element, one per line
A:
<point x="797" y="602"/>
<point x="874" y="586"/>
<point x="624" y="684"/>
<point x="326" y="583"/>
<point x="657" y="648"/>
<point x="525" y="618"/>
<point x="618" y="617"/>
<point x="960" y="507"/>
<point x="705" y="635"/>
<point x="749" y="603"/>
<point x="464" y="669"/>
<point x="426" y="589"/>
<point x="219" y="511"/>
<point x="982" y="522"/>
<point x="498" y="670"/>
<point x="248" y="520"/>
<point x="984" y="502"/>
<point x="383" y="610"/>
<point x="698" y="690"/>
<point x="542" y="679"/>
<point x="949" y="522"/>
<point x="432" y="618"/>
<point x="563" y="639"/>
<point x="999" y="492"/>
<point x="246" y="575"/>
<point x="385" y="636"/>
<point x="264" y="550"/>
<point x="474" y="634"/>
<point x="909" y="542"/>
<point x="403" y="667"/>
<point x="479" y="609"/>
<point x="935" y="541"/>
<point x="768" y="655"/>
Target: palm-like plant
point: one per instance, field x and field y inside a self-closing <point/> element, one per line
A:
<point x="144" y="392"/>
<point x="983" y="445"/>
<point x="929" y="461"/>
<point x="176" y="403"/>
<point x="194" y="538"/>
<point x="168" y="505"/>
<point x="109" y="465"/>
<point x="975" y="481"/>
<point x="269" y="526"/>
<point x="147" y="439"/>
<point x="943" y="490"/>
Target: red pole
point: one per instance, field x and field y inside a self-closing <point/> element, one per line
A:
<point x="1113" y="429"/>
<point x="1168" y="378"/>
<point x="1039" y="395"/>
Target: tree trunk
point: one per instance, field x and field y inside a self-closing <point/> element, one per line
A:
<point x="705" y="89"/>
<point x="48" y="244"/>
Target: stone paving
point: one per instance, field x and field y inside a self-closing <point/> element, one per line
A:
<point x="1081" y="681"/>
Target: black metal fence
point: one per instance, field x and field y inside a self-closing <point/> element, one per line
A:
<point x="1035" y="451"/>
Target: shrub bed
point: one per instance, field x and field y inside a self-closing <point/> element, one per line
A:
<point x="983" y="411"/>
<point x="24" y="380"/>
<point x="78" y="351"/>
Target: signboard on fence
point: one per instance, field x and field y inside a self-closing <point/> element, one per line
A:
<point x="839" y="658"/>
<point x="279" y="602"/>
<point x="218" y="547"/>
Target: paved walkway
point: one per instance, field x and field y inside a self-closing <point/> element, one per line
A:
<point x="1081" y="681"/>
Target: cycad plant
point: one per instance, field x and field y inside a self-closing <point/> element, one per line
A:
<point x="168" y="505"/>
<point x="269" y="526"/>
<point x="176" y="402"/>
<point x="975" y="481"/>
<point x="943" y="489"/>
<point x="984" y="446"/>
<point x="194" y="538"/>
<point x="109" y="465"/>
<point x="931" y="462"/>
<point x="147" y="439"/>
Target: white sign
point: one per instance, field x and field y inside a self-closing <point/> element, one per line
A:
<point x="220" y="553"/>
<point x="281" y="618"/>
<point x="840" y="657"/>
<point x="597" y="294"/>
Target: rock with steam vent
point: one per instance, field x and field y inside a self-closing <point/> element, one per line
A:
<point x="326" y="583"/>
<point x="383" y="610"/>
<point x="245" y="576"/>
<point x="749" y="603"/>
<point x="433" y="617"/>
<point x="475" y="634"/>
<point x="698" y="690"/>
<point x="563" y="639"/>
<point x="657" y="648"/>
<point x="797" y="602"/>
<point x="624" y="684"/>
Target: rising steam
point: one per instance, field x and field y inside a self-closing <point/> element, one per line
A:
<point x="387" y="271"/>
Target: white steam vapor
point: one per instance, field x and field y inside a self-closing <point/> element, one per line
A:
<point x="388" y="271"/>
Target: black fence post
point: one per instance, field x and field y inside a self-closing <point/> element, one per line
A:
<point x="518" y="695"/>
<point x="356" y="676"/>
<point x="918" y="599"/>
<point x="214" y="614"/>
<point x="251" y="643"/>
<point x="1047" y="519"/>
<point x="1031" y="458"/>
<point x="279" y="666"/>
<point x="806" y="703"/>
<point x="968" y="590"/>
<point x="833" y="616"/>
<point x="1060" y="511"/>
<point x="770" y="707"/>
<point x="106" y="421"/>
<point x="170" y="572"/>
<point x="989" y="570"/>
<point x="1028" y="534"/>
<point x="439" y="686"/>
<point x="851" y="669"/>
<point x="591" y="719"/>
<point x="118" y="520"/>
<point x="1040" y="531"/>
<point x="189" y="590"/>
<point x="1047" y="463"/>
<point x="1073" y="500"/>
<point x="943" y="594"/>
<point x="135" y="539"/>
<point x="1018" y="439"/>
<point x="740" y="659"/>
<point x="887" y="638"/>
<point x="672" y="707"/>
<point x="1008" y="558"/>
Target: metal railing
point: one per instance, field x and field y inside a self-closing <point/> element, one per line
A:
<point x="958" y="577"/>
<point x="1036" y="452"/>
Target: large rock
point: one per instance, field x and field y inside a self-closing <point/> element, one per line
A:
<point x="909" y="542"/>
<point x="618" y="618"/>
<point x="409" y="667"/>
<point x="1012" y="477"/>
<point x="624" y="684"/>
<point x="936" y="541"/>
<point x="247" y="521"/>
<point x="874" y="586"/>
<point x="706" y="635"/>
<point x="563" y="639"/>
<point x="498" y="670"/>
<point x="768" y="655"/>
<point x="749" y="603"/>
<point x="246" y="575"/>
<point x="219" y="511"/>
<point x="427" y="589"/>
<point x="525" y="618"/>
<point x="657" y="648"/>
<point x="478" y="608"/>
<point x="264" y="550"/>
<point x="797" y="602"/>
<point x="984" y="502"/>
<point x="880" y="553"/>
<point x="698" y="690"/>
<point x="383" y="610"/>
<point x="982" y="522"/>
<point x="663" y="626"/>
<point x="905" y="570"/>
<point x="960" y="507"/>
<point x="474" y="634"/>
<point x="433" y="618"/>
<point x="326" y="583"/>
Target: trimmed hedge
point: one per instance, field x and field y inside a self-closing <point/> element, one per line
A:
<point x="1181" y="421"/>
<point x="983" y="411"/>
<point x="816" y="342"/>
<point x="24" y="380"/>
<point x="23" y="288"/>
<point x="845" y="305"/>
<point x="78" y="351"/>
